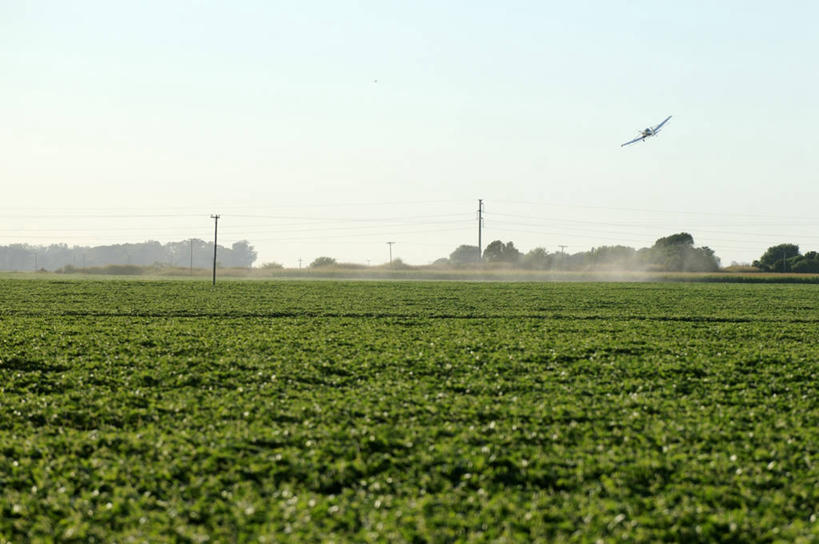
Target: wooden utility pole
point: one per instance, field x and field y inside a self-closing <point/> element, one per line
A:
<point x="480" y="226"/>
<point x="215" y="233"/>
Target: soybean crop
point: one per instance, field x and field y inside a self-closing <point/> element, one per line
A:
<point x="318" y="411"/>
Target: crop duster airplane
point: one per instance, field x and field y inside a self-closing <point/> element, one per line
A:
<point x="645" y="133"/>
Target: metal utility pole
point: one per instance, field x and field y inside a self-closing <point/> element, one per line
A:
<point x="299" y="263"/>
<point x="215" y="232"/>
<point x="390" y="244"/>
<point x="562" y="249"/>
<point x="480" y="225"/>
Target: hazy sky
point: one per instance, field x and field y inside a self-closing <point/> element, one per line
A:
<point x="329" y="128"/>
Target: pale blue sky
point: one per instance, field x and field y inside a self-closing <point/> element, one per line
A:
<point x="126" y="121"/>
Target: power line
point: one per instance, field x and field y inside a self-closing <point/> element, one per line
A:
<point x="193" y="209"/>
<point x="325" y="219"/>
<point x="98" y="216"/>
<point x="646" y="224"/>
<point x="324" y="228"/>
<point x="122" y="229"/>
<point x="349" y="236"/>
<point x="548" y="223"/>
<point x="646" y="210"/>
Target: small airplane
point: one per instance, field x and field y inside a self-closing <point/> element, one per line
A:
<point x="645" y="133"/>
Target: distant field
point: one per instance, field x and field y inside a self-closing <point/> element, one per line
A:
<point x="414" y="273"/>
<point x="269" y="411"/>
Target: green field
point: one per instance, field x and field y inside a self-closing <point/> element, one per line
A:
<point x="174" y="411"/>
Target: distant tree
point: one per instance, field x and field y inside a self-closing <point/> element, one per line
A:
<point x="574" y="261"/>
<point x="54" y="256"/>
<point x="804" y="265"/>
<point x="398" y="263"/>
<point x="537" y="259"/>
<point x="676" y="253"/>
<point x="511" y="253"/>
<point x="669" y="253"/>
<point x="498" y="252"/>
<point x="621" y="257"/>
<point x="464" y="254"/>
<point x="701" y="259"/>
<point x="322" y="261"/>
<point x="443" y="261"/>
<point x="775" y="259"/>
<point x="494" y="251"/>
<point x="675" y="240"/>
<point x="272" y="266"/>
<point x="242" y="254"/>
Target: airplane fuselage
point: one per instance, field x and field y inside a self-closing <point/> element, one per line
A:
<point x="646" y="132"/>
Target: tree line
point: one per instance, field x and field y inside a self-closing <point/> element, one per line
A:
<point x="787" y="258"/>
<point x="195" y="252"/>
<point x="675" y="253"/>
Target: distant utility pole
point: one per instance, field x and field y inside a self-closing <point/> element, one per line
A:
<point x="562" y="249"/>
<point x="390" y="244"/>
<point x="480" y="226"/>
<point x="299" y="263"/>
<point x="215" y="232"/>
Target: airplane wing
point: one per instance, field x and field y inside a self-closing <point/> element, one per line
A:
<point x="657" y="128"/>
<point x="632" y="141"/>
